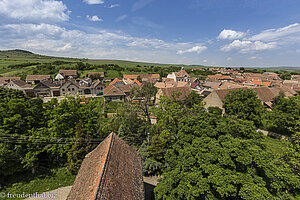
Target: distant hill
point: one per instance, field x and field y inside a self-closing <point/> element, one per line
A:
<point x="18" y="55"/>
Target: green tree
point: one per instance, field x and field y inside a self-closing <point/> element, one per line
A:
<point x="217" y="158"/>
<point x="244" y="104"/>
<point x="146" y="97"/>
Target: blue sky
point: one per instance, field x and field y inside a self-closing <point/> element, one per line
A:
<point x="209" y="32"/>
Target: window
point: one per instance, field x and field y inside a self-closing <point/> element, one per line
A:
<point x="63" y="89"/>
<point x="69" y="89"/>
<point x="72" y="89"/>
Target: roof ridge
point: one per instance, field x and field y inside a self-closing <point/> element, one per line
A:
<point x="100" y="175"/>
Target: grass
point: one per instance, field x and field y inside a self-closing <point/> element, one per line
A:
<point x="274" y="145"/>
<point x="52" y="180"/>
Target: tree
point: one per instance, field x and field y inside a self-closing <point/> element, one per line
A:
<point x="215" y="110"/>
<point x="193" y="99"/>
<point x="244" y="104"/>
<point x="146" y="97"/>
<point x="285" y="76"/>
<point x="217" y="158"/>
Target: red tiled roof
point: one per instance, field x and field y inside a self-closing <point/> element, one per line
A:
<point x="134" y="76"/>
<point x="137" y="82"/>
<point x="181" y="73"/>
<point x="37" y="77"/>
<point x="115" y="81"/>
<point x="113" y="170"/>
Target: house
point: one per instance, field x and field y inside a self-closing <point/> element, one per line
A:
<point x="113" y="93"/>
<point x="131" y="77"/>
<point x="116" y="81"/>
<point x="68" y="74"/>
<point x="35" y="79"/>
<point x="47" y="89"/>
<point x="152" y="78"/>
<point x="177" y="93"/>
<point x="216" y="98"/>
<point x="182" y="75"/>
<point x="5" y="80"/>
<point x="112" y="171"/>
<point x="70" y="87"/>
<point x="98" y="87"/>
<point x="218" y="77"/>
<point x="21" y="85"/>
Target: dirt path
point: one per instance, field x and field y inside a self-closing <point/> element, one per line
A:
<point x="58" y="194"/>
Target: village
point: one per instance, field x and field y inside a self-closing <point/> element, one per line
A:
<point x="214" y="88"/>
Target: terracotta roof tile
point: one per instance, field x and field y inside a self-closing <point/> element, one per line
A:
<point x="37" y="77"/>
<point x="67" y="72"/>
<point x="133" y="76"/>
<point x="112" y="171"/>
<point x="4" y="80"/>
<point x="116" y="80"/>
<point x="184" y="91"/>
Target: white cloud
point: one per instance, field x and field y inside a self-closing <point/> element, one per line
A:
<point x="94" y="18"/>
<point x="230" y="35"/>
<point x="114" y="5"/>
<point x="93" y="1"/>
<point x="58" y="41"/>
<point x="229" y="59"/>
<point x="252" y="58"/>
<point x="205" y="61"/>
<point x="33" y="11"/>
<point x="246" y="46"/>
<point x="140" y="4"/>
<point x="197" y="49"/>
<point x="278" y="34"/>
<point x="121" y="18"/>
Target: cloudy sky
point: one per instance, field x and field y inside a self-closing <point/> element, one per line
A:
<point x="208" y="32"/>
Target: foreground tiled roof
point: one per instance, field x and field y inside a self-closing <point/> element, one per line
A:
<point x="37" y="77"/>
<point x="112" y="171"/>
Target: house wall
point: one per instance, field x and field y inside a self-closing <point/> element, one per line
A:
<point x="98" y="88"/>
<point x="14" y="86"/>
<point x="213" y="100"/>
<point x="115" y="98"/>
<point x="158" y="95"/>
<point x="42" y="91"/>
<point x="69" y="88"/>
<point x="172" y="76"/>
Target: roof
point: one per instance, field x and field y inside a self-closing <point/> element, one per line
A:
<point x="97" y="82"/>
<point x="21" y="83"/>
<point x="134" y="76"/>
<point x="265" y="94"/>
<point x="115" y="81"/>
<point x="4" y="80"/>
<point x="112" y="90"/>
<point x="96" y="73"/>
<point x="184" y="91"/>
<point x="163" y="85"/>
<point x="113" y="170"/>
<point x="181" y="73"/>
<point x="67" y="72"/>
<point x="152" y="76"/>
<point x="37" y="77"/>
